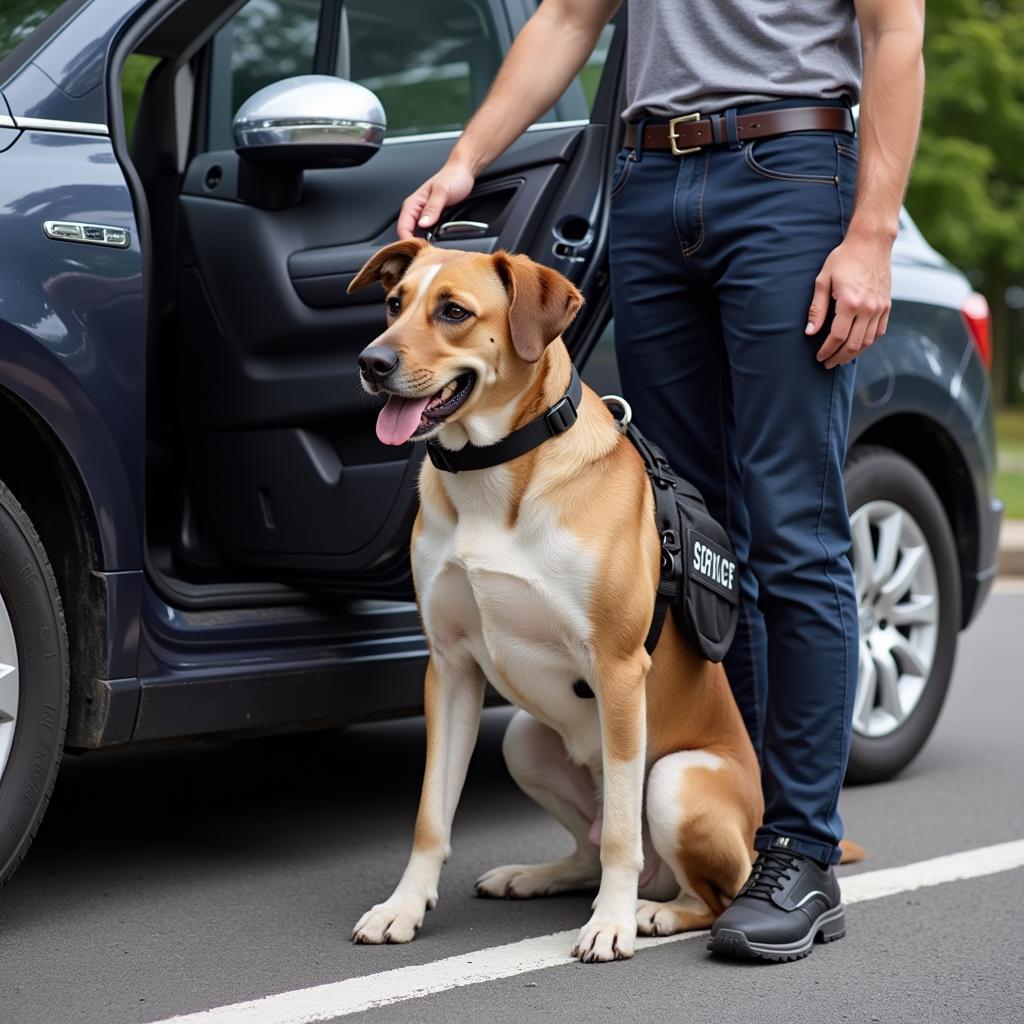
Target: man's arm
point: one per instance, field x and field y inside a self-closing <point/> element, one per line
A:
<point x="551" y="49"/>
<point x="857" y="274"/>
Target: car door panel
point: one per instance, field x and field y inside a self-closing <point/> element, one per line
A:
<point x="286" y="469"/>
<point x="286" y="474"/>
<point x="320" y="277"/>
<point x="277" y="357"/>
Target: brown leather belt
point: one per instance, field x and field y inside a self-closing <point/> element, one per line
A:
<point x="691" y="132"/>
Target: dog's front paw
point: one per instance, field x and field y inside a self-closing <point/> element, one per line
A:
<point x="390" y="921"/>
<point x="601" y="941"/>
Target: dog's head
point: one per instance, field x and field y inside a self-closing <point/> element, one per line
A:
<point x="464" y="330"/>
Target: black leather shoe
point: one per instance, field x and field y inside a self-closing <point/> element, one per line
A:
<point x="787" y="903"/>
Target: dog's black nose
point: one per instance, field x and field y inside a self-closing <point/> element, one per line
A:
<point x="377" y="364"/>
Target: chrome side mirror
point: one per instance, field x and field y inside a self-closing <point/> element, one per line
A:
<point x="310" y="121"/>
<point x="298" y="124"/>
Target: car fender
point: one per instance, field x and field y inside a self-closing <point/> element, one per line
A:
<point x="73" y="323"/>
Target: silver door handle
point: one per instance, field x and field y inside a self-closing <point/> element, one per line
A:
<point x="461" y="229"/>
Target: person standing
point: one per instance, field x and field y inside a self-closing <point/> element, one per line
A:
<point x="751" y="239"/>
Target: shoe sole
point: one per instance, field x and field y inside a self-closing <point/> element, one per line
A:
<point x="827" y="928"/>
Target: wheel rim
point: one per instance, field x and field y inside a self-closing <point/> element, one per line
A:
<point x="8" y="686"/>
<point x="898" y="601"/>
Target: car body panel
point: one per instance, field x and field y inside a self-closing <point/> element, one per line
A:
<point x="66" y="78"/>
<point x="908" y="373"/>
<point x="73" y="323"/>
<point x="218" y="672"/>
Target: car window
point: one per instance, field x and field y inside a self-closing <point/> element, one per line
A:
<point x="20" y="18"/>
<point x="590" y="76"/>
<point x="430" y="62"/>
<point x="265" y="41"/>
<point x="270" y="40"/>
<point x="577" y="101"/>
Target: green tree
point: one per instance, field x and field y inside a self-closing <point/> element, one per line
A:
<point x="967" y="189"/>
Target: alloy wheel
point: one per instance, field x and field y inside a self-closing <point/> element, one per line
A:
<point x="898" y="603"/>
<point x="8" y="686"/>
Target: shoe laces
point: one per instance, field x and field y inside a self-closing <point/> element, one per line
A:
<point x="771" y="871"/>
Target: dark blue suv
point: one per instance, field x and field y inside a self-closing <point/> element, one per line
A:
<point x="199" y="534"/>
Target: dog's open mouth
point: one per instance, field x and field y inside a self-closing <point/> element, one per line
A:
<point x="403" y="417"/>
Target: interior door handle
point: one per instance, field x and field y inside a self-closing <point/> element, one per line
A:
<point x="461" y="229"/>
<point x="574" y="238"/>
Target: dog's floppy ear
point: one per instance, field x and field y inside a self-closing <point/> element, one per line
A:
<point x="542" y="303"/>
<point x="387" y="265"/>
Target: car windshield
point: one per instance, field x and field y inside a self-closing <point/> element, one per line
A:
<point x="20" y="18"/>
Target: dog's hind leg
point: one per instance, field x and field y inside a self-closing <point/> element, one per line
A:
<point x="538" y="761"/>
<point x="698" y="826"/>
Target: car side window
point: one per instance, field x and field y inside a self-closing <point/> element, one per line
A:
<point x="20" y="18"/>
<point x="577" y="101"/>
<point x="590" y="77"/>
<point x="265" y="41"/>
<point x="430" y="62"/>
<point x="271" y="40"/>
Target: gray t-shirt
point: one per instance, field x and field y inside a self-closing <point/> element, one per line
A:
<point x="706" y="55"/>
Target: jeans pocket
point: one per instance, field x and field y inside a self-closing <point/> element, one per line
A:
<point x="846" y="176"/>
<point x="804" y="158"/>
<point x="623" y="168"/>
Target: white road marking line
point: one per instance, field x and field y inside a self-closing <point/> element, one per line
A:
<point x="371" y="991"/>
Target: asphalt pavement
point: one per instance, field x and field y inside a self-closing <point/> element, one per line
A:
<point x="167" y="882"/>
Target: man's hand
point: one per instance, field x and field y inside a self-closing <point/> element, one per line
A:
<point x="857" y="274"/>
<point x="450" y="185"/>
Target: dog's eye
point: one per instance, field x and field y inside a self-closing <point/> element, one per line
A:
<point x="453" y="311"/>
<point x="394" y="306"/>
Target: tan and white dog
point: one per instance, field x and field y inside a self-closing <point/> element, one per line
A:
<point x="532" y="575"/>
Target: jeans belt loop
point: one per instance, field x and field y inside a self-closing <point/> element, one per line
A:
<point x="638" y="149"/>
<point x="717" y="122"/>
<point x="730" y="129"/>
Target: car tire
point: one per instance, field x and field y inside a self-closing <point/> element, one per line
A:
<point x="889" y="497"/>
<point x="33" y="683"/>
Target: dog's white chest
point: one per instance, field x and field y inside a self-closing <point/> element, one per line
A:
<point x="516" y="599"/>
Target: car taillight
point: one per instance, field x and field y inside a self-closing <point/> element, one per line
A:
<point x="979" y="322"/>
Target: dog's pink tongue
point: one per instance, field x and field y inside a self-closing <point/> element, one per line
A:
<point x="399" y="419"/>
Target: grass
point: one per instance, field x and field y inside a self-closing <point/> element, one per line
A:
<point x="1010" y="475"/>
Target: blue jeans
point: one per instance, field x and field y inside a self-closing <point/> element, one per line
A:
<point x="713" y="259"/>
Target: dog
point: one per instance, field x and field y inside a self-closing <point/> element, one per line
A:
<point x="534" y="574"/>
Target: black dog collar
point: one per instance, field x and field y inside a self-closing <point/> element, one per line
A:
<point x="557" y="420"/>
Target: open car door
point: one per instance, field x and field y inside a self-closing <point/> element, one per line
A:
<point x="286" y="479"/>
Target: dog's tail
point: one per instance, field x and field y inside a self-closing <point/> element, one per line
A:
<point x="851" y="852"/>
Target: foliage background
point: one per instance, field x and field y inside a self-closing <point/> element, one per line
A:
<point x="967" y="189"/>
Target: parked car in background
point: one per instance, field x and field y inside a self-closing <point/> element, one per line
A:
<point x="199" y="533"/>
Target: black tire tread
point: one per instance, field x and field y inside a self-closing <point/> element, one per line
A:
<point x="13" y="507"/>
